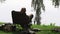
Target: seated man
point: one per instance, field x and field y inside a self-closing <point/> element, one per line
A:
<point x="21" y="18"/>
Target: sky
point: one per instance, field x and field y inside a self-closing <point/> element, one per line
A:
<point x="51" y="14"/>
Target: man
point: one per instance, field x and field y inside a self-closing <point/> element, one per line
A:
<point x="20" y="18"/>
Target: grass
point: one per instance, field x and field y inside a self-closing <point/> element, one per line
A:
<point x="2" y="32"/>
<point x="46" y="29"/>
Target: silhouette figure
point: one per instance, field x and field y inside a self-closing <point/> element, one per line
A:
<point x="21" y="18"/>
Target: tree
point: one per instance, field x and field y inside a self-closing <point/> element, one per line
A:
<point x="38" y="4"/>
<point x="56" y="3"/>
<point x="2" y="1"/>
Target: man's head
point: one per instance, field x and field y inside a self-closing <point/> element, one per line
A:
<point x="23" y="10"/>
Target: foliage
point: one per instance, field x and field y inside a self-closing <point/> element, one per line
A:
<point x="56" y="3"/>
<point x="2" y="1"/>
<point x="52" y="24"/>
<point x="37" y="5"/>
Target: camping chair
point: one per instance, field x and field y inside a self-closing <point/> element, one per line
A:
<point x="16" y="19"/>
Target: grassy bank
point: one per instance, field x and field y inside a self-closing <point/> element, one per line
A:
<point x="46" y="29"/>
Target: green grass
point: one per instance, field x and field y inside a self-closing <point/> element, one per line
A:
<point x="2" y="32"/>
<point x="46" y="29"/>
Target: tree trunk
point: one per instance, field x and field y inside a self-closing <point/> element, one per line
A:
<point x="37" y="17"/>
